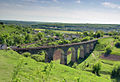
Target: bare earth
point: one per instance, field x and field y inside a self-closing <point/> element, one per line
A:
<point x="111" y="57"/>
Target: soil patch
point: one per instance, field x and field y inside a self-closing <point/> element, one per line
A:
<point x="57" y="54"/>
<point x="111" y="57"/>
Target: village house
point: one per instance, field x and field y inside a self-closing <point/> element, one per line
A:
<point x="3" y="46"/>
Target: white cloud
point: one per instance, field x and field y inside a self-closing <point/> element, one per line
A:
<point x="110" y="5"/>
<point x="78" y="1"/>
<point x="55" y="0"/>
<point x="30" y="0"/>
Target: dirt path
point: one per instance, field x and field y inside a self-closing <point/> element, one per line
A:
<point x="111" y="57"/>
<point x="93" y="55"/>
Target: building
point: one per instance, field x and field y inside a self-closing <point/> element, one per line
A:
<point x="3" y="46"/>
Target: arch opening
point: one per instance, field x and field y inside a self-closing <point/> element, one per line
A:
<point x="57" y="55"/>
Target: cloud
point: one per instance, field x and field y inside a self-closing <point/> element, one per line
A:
<point x="78" y="1"/>
<point x="110" y="5"/>
<point x="30" y="0"/>
<point x="55" y="0"/>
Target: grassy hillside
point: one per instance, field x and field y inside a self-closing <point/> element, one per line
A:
<point x="106" y="65"/>
<point x="14" y="67"/>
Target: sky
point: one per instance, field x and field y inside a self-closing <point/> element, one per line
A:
<point x="65" y="11"/>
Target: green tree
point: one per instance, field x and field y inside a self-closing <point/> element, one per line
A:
<point x="40" y="35"/>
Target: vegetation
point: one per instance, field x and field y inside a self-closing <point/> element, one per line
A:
<point x="116" y="72"/>
<point x="27" y="69"/>
<point x="108" y="51"/>
<point x="97" y="68"/>
<point x="32" y="67"/>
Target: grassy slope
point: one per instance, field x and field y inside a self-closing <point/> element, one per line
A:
<point x="30" y="70"/>
<point x="107" y="65"/>
<point x="110" y="42"/>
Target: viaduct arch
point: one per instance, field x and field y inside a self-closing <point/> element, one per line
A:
<point x="85" y="48"/>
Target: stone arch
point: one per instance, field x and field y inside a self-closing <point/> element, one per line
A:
<point x="74" y="54"/>
<point x="57" y="54"/>
<point x="91" y="46"/>
<point x="82" y="54"/>
<point x="87" y="48"/>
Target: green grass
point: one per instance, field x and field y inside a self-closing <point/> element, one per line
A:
<point x="32" y="71"/>
<point x="107" y="65"/>
<point x="110" y="42"/>
<point x="115" y="51"/>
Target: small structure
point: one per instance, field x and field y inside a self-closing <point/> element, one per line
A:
<point x="3" y="46"/>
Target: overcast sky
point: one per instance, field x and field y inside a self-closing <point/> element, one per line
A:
<point x="67" y="11"/>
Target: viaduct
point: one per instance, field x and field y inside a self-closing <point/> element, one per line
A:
<point x="85" y="48"/>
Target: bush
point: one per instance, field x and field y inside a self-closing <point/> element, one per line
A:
<point x="116" y="37"/>
<point x="74" y="65"/>
<point x="115" y="72"/>
<point x="86" y="38"/>
<point x="97" y="68"/>
<point x="61" y="42"/>
<point x="100" y="47"/>
<point x="52" y="43"/>
<point x="26" y="54"/>
<point x="76" y="40"/>
<point x="38" y="58"/>
<point x="117" y="44"/>
<point x="108" y="50"/>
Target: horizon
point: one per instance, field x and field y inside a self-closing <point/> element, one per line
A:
<point x="61" y="11"/>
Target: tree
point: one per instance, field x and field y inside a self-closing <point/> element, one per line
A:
<point x="40" y="35"/>
<point x="86" y="33"/>
<point x="28" y="38"/>
<point x="96" y="68"/>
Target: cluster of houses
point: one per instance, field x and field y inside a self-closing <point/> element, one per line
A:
<point x="3" y="46"/>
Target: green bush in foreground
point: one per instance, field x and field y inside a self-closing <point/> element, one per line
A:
<point x="115" y="72"/>
<point x="96" y="68"/>
<point x="26" y="54"/>
<point x="38" y="58"/>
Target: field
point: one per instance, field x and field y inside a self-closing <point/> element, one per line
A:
<point x="70" y="32"/>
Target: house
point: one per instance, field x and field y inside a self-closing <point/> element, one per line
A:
<point x="3" y="46"/>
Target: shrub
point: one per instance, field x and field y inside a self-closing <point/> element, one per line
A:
<point x="38" y="58"/>
<point x="26" y="54"/>
<point x="75" y="40"/>
<point x="116" y="37"/>
<point x="100" y="47"/>
<point x="61" y="42"/>
<point x="96" y="68"/>
<point x="74" y="65"/>
<point x="117" y="44"/>
<point x="52" y="43"/>
<point x="108" y="50"/>
<point x="86" y="38"/>
<point x="115" y="72"/>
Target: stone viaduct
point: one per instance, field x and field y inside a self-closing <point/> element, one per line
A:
<point x="85" y="48"/>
